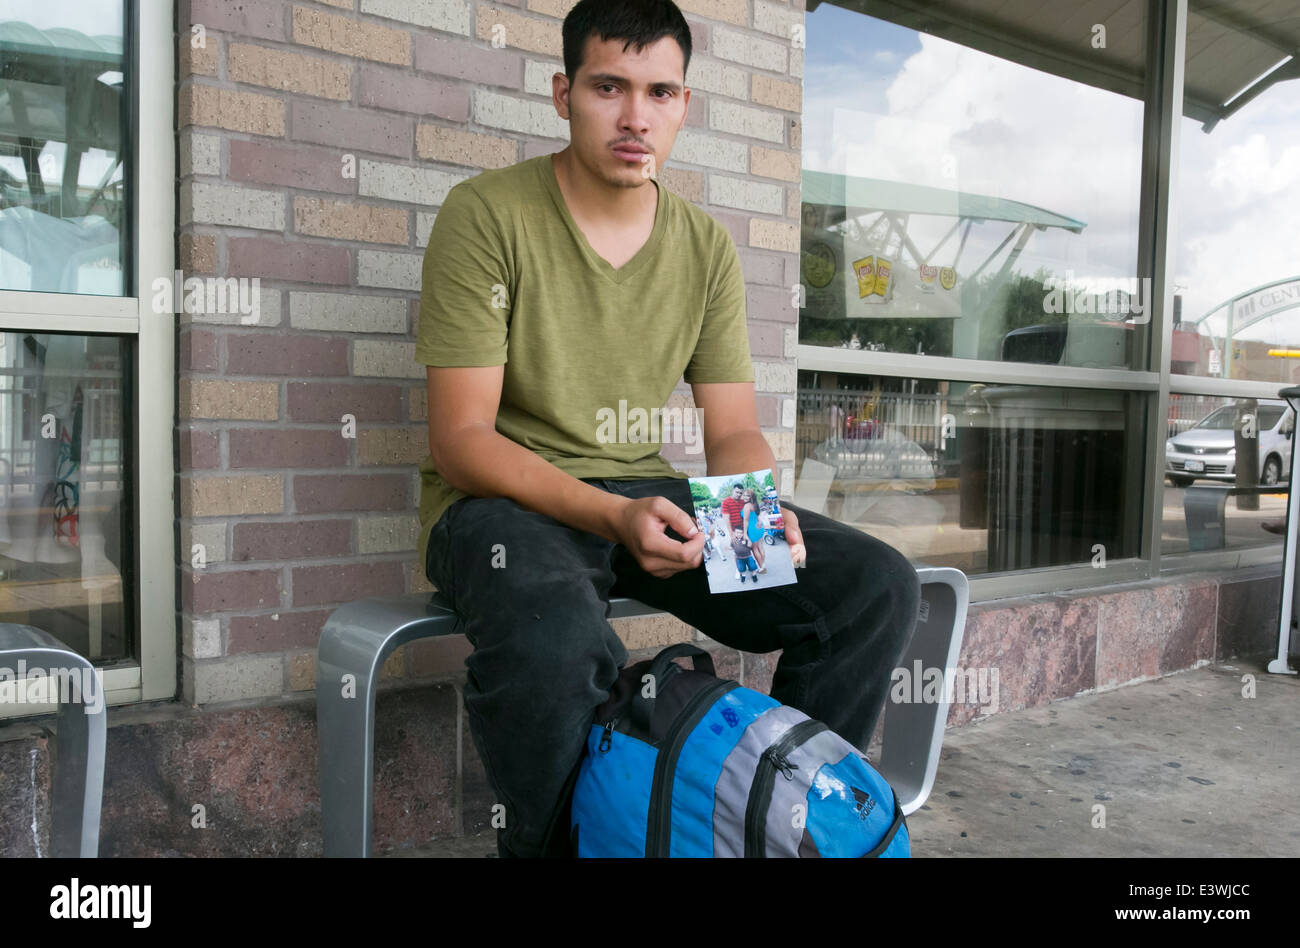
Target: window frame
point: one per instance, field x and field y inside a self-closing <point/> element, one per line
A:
<point x="1161" y="126"/>
<point x="148" y="50"/>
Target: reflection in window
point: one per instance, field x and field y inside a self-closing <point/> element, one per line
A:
<point x="986" y="478"/>
<point x="63" y="545"/>
<point x="1237" y="272"/>
<point x="63" y="193"/>
<point x="967" y="197"/>
<point x="1228" y="462"/>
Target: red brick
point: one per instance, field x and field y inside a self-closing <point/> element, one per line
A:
<point x="767" y="302"/>
<point x="199" y="351"/>
<point x="737" y="225"/>
<point x="282" y="631"/>
<point x="264" y="19"/>
<point x="769" y="410"/>
<point x="262" y="353"/>
<point x="318" y="401"/>
<point x="390" y="89"/>
<point x="352" y="129"/>
<point x="293" y="261"/>
<point x="346" y="582"/>
<point x="763" y="267"/>
<point x="699" y="41"/>
<point x="444" y="655"/>
<point x="282" y="448"/>
<point x="697" y="115"/>
<point x="291" y="541"/>
<point x="489" y="67"/>
<point x="294" y="166"/>
<point x="327" y="493"/>
<point x="204" y="591"/>
<point x="766" y="339"/>
<point x="199" y="450"/>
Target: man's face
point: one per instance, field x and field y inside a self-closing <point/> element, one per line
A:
<point x="735" y="492"/>
<point x="624" y="108"/>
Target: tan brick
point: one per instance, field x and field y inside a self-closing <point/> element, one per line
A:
<point x="464" y="148"/>
<point x="416" y="581"/>
<point x="556" y="8"/>
<point x="393" y="446"/>
<point x="215" y="398"/>
<point x="687" y="184"/>
<point x="198" y="253"/>
<point x="235" y="679"/>
<point x="291" y="72"/>
<point x="732" y="11"/>
<point x="232" y="496"/>
<point x="394" y="666"/>
<point x="233" y="111"/>
<point x="302" y="671"/>
<point x="197" y="62"/>
<point x="774" y="235"/>
<point x="419" y="404"/>
<point x="781" y="443"/>
<point x="521" y="32"/>
<point x="793" y="205"/>
<point x="777" y="93"/>
<point x="770" y="163"/>
<point x="321" y="217"/>
<point x="342" y="34"/>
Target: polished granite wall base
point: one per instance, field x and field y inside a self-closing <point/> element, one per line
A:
<point x="241" y="780"/>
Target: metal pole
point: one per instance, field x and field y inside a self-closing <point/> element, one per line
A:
<point x="1286" y="616"/>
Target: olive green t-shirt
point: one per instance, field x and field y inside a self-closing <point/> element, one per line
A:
<point x="509" y="278"/>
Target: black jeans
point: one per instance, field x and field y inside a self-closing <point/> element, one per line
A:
<point x="532" y="596"/>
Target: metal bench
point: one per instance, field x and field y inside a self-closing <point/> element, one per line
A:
<point x="79" y="742"/>
<point x="1204" y="508"/>
<point x="358" y="637"/>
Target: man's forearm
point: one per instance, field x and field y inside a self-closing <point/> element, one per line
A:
<point x="742" y="452"/>
<point x="481" y="461"/>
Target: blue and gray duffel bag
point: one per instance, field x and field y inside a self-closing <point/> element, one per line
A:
<point x="681" y="763"/>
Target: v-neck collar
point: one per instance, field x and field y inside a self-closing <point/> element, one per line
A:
<point x="546" y="166"/>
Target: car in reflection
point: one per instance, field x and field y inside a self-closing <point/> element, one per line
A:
<point x="1208" y="449"/>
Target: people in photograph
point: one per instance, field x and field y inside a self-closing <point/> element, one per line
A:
<point x="745" y="562"/>
<point x="753" y="528"/>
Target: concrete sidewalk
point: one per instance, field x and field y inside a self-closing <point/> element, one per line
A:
<point x="1183" y="766"/>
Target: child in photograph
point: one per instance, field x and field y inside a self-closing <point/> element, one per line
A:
<point x="744" y="555"/>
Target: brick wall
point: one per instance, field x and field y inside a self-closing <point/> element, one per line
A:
<point x="316" y="142"/>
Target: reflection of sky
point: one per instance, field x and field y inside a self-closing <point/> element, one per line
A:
<point x="92" y="17"/>
<point x="882" y="101"/>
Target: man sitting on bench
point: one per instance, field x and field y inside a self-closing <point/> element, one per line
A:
<point x="554" y="290"/>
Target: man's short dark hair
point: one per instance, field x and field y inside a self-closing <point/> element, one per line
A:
<point x="638" y="22"/>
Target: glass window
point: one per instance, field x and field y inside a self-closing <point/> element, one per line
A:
<point x="984" y="477"/>
<point x="64" y="540"/>
<point x="1228" y="462"/>
<point x="64" y="199"/>
<point x="971" y="183"/>
<point x="1236" y="268"/>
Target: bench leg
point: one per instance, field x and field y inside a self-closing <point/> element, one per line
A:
<point x="914" y="731"/>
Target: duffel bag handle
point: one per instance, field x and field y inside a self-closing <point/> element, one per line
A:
<point x="643" y="707"/>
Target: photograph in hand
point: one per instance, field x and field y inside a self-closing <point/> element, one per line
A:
<point x="745" y="542"/>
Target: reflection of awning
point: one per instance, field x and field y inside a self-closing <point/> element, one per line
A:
<point x="1231" y="46"/>
<point x="22" y="40"/>
<point x="874" y="194"/>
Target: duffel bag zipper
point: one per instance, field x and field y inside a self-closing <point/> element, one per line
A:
<point x="772" y="760"/>
<point x="607" y="738"/>
<point x="659" y="826"/>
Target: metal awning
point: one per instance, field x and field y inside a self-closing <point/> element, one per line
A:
<point x="1235" y="50"/>
<point x="874" y="194"/>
